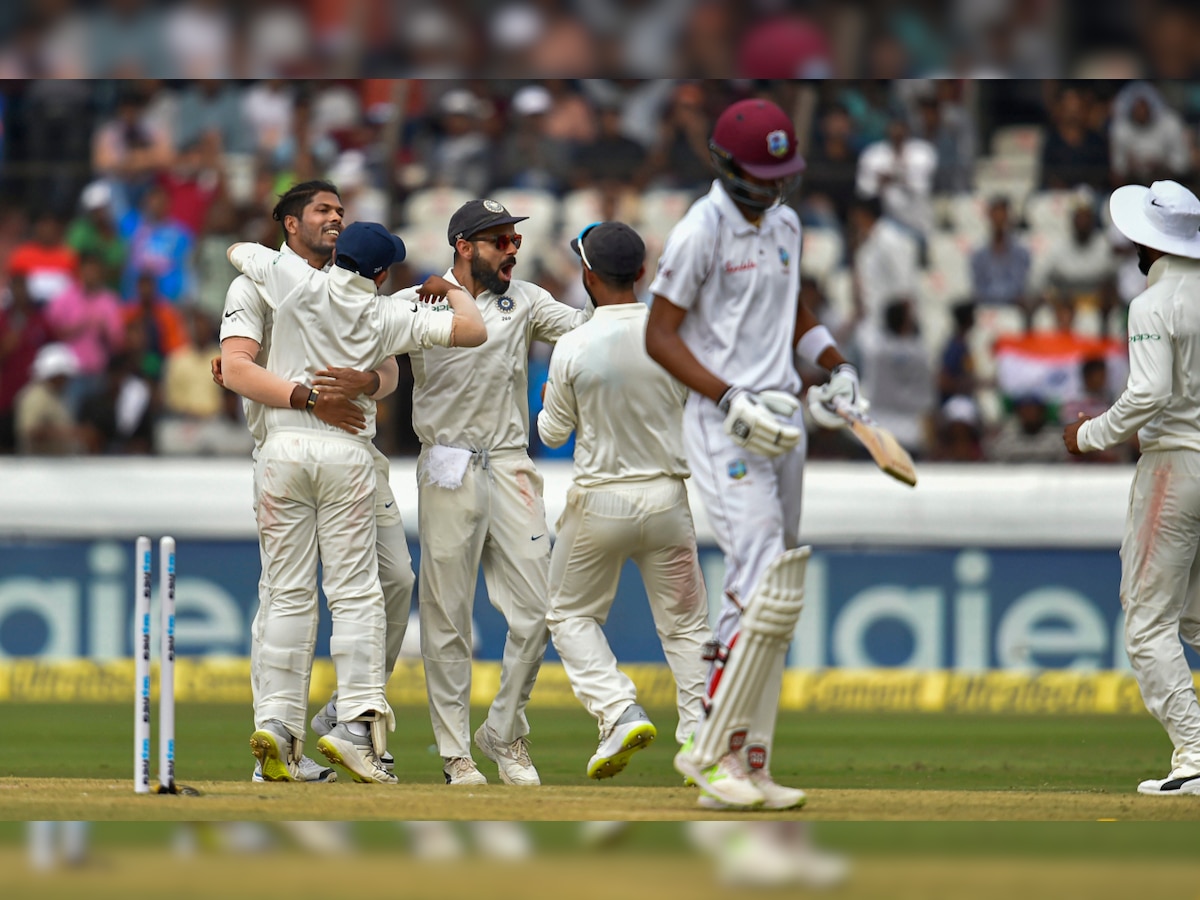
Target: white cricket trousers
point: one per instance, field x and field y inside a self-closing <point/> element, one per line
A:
<point x="396" y="577"/>
<point x="497" y="517"/>
<point x="1160" y="593"/>
<point x="317" y="504"/>
<point x="601" y="527"/>
<point x="753" y="504"/>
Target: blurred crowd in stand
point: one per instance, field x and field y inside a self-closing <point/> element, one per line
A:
<point x="956" y="237"/>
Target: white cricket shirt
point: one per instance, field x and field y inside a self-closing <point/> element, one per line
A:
<point x="478" y="397"/>
<point x="740" y="285"/>
<point x="333" y="318"/>
<point x="248" y="314"/>
<point x="1161" y="401"/>
<point x="626" y="410"/>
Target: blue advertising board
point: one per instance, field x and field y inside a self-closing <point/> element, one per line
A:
<point x="970" y="609"/>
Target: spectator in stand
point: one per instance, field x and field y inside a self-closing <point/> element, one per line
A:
<point x="94" y="231"/>
<point x="214" y="272"/>
<point x="1097" y="396"/>
<point x="187" y="386"/>
<point x="1028" y="435"/>
<point x="44" y="424"/>
<point x="23" y="332"/>
<point x="832" y="171"/>
<point x="679" y="158"/>
<point x="1082" y="271"/>
<point x="944" y="122"/>
<point x="130" y="149"/>
<point x="158" y="246"/>
<point x="1073" y="153"/>
<point x="461" y="154"/>
<point x="1000" y="268"/>
<point x="192" y="183"/>
<point x="1148" y="139"/>
<point x="612" y="157"/>
<point x="899" y="379"/>
<point x="959" y="434"/>
<point x="45" y="261"/>
<point x="160" y="328"/>
<point x="529" y="158"/>
<point x="899" y="171"/>
<point x="267" y="108"/>
<point x="117" y="417"/>
<point x="956" y="377"/>
<point x="213" y="108"/>
<point x="362" y="200"/>
<point x="87" y="318"/>
<point x="884" y="261"/>
<point x="1129" y="278"/>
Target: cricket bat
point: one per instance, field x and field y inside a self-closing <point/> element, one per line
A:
<point x="880" y="443"/>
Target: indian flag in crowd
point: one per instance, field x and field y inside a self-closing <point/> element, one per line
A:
<point x="1049" y="364"/>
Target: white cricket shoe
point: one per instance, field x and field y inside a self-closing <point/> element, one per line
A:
<point x="727" y="782"/>
<point x="308" y="770"/>
<point x="272" y="747"/>
<point x="632" y="732"/>
<point x="356" y="754"/>
<point x="1185" y="786"/>
<point x="777" y="796"/>
<point x="322" y="723"/>
<point x="513" y="759"/>
<point x="462" y="770"/>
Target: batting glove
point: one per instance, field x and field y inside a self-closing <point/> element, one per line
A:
<point x="752" y="423"/>
<point x="842" y="387"/>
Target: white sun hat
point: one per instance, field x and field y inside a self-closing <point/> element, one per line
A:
<point x="1164" y="216"/>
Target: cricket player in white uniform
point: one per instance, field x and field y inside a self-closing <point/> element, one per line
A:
<point x="1160" y="553"/>
<point x="480" y="498"/>
<point x="317" y="488"/>
<point x="311" y="216"/>
<point x="727" y="322"/>
<point x="628" y="501"/>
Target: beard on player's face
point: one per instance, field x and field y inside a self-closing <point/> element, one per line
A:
<point x="488" y="275"/>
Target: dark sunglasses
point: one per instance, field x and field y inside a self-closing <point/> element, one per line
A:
<point x="501" y="241"/>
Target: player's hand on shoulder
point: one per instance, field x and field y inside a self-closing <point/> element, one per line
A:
<point x="434" y="288"/>
<point x="753" y="422"/>
<point x="842" y="388"/>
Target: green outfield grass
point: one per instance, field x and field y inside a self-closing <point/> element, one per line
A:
<point x="826" y="750"/>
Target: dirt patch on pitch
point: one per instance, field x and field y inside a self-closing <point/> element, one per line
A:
<point x="98" y="800"/>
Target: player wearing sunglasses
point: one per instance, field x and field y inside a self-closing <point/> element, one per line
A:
<point x="480" y="497"/>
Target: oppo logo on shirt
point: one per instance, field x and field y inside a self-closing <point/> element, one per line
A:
<point x="1134" y="338"/>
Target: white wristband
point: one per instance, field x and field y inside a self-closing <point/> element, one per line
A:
<point x="813" y="343"/>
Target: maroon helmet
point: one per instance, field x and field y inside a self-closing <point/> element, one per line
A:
<point x="756" y="137"/>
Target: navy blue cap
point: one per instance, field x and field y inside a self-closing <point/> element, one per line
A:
<point x="611" y="248"/>
<point x="368" y="248"/>
<point x="476" y="215"/>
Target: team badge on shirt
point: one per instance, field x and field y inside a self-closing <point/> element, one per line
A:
<point x="784" y="257"/>
<point x="737" y="469"/>
<point x="777" y="143"/>
<point x="506" y="304"/>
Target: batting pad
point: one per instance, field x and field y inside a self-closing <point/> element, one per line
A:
<point x="764" y="633"/>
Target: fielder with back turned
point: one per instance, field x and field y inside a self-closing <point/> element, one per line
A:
<point x="727" y="322"/>
<point x="628" y="501"/>
<point x="1160" y="553"/>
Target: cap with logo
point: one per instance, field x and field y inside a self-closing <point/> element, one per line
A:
<point x="475" y="216"/>
<point x="611" y="248"/>
<point x="367" y="248"/>
<point x="760" y="137"/>
<point x="1164" y="216"/>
